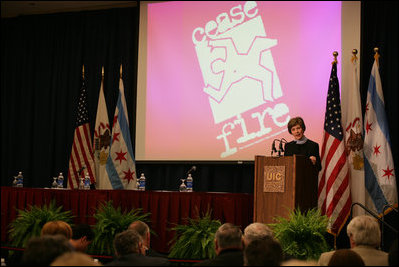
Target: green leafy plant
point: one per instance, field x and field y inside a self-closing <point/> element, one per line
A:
<point x="302" y="235"/>
<point x="195" y="240"/>
<point x="111" y="221"/>
<point x="29" y="222"/>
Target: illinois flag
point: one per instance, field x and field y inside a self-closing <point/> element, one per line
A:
<point x="334" y="198"/>
<point x="81" y="160"/>
<point x="120" y="165"/>
<point x="379" y="169"/>
<point x="352" y="120"/>
<point x="102" y="141"/>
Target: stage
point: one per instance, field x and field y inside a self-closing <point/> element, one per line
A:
<point x="166" y="208"/>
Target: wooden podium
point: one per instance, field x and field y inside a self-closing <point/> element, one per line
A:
<point x="283" y="184"/>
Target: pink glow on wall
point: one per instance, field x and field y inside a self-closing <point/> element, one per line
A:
<point x="184" y="121"/>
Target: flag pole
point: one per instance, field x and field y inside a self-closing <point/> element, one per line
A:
<point x="354" y="53"/>
<point x="335" y="54"/>
<point x="376" y="56"/>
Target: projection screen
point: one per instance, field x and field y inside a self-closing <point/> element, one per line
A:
<point x="220" y="80"/>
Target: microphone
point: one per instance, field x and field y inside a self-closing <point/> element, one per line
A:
<point x="282" y="140"/>
<point x="193" y="168"/>
<point x="281" y="144"/>
<point x="274" y="150"/>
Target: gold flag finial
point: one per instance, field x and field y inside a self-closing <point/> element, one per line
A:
<point x="102" y="71"/>
<point x="335" y="54"/>
<point x="120" y="72"/>
<point x="354" y="53"/>
<point x="376" y="55"/>
<point x="83" y="71"/>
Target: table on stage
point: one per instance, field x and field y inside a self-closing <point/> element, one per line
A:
<point x="166" y="208"/>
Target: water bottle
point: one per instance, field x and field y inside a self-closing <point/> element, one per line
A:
<point x="60" y="181"/>
<point x="54" y="185"/>
<point x="81" y="183"/>
<point x="137" y="184"/>
<point x="182" y="187"/>
<point x="20" y="180"/>
<point x="189" y="183"/>
<point x="142" y="182"/>
<point x="87" y="182"/>
<point x="15" y="182"/>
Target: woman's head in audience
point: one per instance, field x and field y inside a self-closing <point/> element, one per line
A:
<point x="57" y="228"/>
<point x="364" y="230"/>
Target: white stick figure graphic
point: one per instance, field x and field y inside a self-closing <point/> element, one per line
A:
<point x="237" y="66"/>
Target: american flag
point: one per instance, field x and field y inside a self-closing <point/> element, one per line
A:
<point x="334" y="198"/>
<point x="82" y="158"/>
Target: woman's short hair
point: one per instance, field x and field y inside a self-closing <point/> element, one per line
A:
<point x="57" y="227"/>
<point x="364" y="230"/>
<point x="296" y="121"/>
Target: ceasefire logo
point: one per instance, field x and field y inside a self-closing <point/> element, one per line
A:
<point x="239" y="76"/>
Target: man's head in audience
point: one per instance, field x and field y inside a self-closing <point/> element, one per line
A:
<point x="143" y="230"/>
<point x="264" y="251"/>
<point x="364" y="230"/>
<point x="43" y="250"/>
<point x="128" y="242"/>
<point x="82" y="236"/>
<point x="255" y="231"/>
<point x="228" y="236"/>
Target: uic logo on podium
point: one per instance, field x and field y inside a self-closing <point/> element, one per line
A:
<point x="274" y="179"/>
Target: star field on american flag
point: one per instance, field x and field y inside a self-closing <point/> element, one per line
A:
<point x="333" y="110"/>
<point x="83" y="115"/>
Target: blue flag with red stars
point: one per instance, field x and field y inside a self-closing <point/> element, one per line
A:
<point x="379" y="170"/>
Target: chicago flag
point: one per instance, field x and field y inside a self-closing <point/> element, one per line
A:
<point x="120" y="165"/>
<point x="380" y="179"/>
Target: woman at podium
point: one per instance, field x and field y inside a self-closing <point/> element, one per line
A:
<point x="302" y="145"/>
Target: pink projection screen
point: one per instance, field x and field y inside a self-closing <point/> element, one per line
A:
<point x="222" y="79"/>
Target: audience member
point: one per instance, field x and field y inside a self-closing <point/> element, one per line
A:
<point x="345" y="257"/>
<point x="228" y="247"/>
<point x="43" y="250"/>
<point x="144" y="231"/>
<point x="365" y="237"/>
<point x="393" y="253"/>
<point x="264" y="251"/>
<point x="129" y="251"/>
<point x="255" y="231"/>
<point x="75" y="258"/>
<point x="57" y="228"/>
<point x="298" y="262"/>
<point x="82" y="236"/>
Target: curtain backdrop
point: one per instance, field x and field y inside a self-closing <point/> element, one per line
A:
<point x="41" y="66"/>
<point x="41" y="62"/>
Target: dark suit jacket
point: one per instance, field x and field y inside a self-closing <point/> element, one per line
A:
<point x="135" y="259"/>
<point x="309" y="148"/>
<point x="228" y="257"/>
<point x="152" y="253"/>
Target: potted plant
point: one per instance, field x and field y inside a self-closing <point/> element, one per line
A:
<point x="302" y="235"/>
<point x="111" y="221"/>
<point x="29" y="222"/>
<point x="195" y="240"/>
